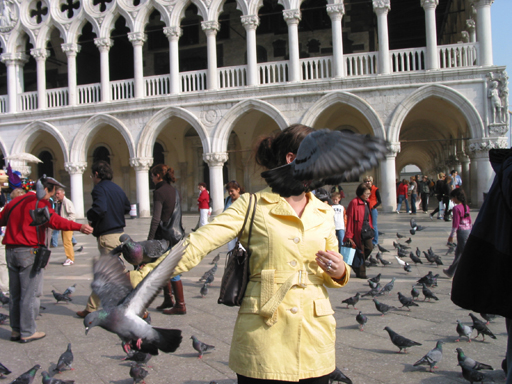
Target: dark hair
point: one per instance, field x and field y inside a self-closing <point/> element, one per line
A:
<point x="459" y="194"/>
<point x="271" y="151"/>
<point x="165" y="172"/>
<point x="233" y="184"/>
<point x="103" y="169"/>
<point x="201" y="184"/>
<point x="453" y="171"/>
<point x="361" y="188"/>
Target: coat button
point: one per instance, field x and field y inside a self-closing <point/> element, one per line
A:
<point x="294" y="310"/>
<point x="293" y="263"/>
<point x="296" y="240"/>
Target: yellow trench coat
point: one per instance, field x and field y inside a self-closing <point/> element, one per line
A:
<point x="293" y="336"/>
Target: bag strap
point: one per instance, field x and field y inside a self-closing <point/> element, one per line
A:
<point x="10" y="210"/>
<point x="252" y="221"/>
<point x="246" y="216"/>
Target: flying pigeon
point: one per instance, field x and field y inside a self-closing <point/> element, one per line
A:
<point x="352" y="300"/>
<point x="47" y="379"/>
<point x="362" y="320"/>
<point x="138" y="356"/>
<point x="388" y="287"/>
<point x="4" y="370"/>
<point x="464" y="330"/>
<point x="60" y="297"/>
<point x="469" y="363"/>
<point x="216" y="259"/>
<point x="137" y="373"/>
<point x="474" y="376"/>
<point x="415" y="226"/>
<point x="65" y="360"/>
<point x="69" y="290"/>
<point x="4" y="299"/>
<point x="433" y="357"/>
<point x="415" y="259"/>
<point x="134" y="252"/>
<point x="406" y="301"/>
<point x="488" y="317"/>
<point x="400" y="341"/>
<point x="481" y="328"/>
<point x="382" y="308"/>
<point x="204" y="290"/>
<point x="326" y="157"/>
<point x="337" y="376"/>
<point x="428" y="294"/>
<point x="414" y="293"/>
<point x="382" y="249"/>
<point x="123" y="306"/>
<point x="80" y="249"/>
<point x="3" y="317"/>
<point x="27" y="377"/>
<point x="201" y="347"/>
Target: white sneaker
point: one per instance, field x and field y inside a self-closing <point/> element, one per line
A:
<point x="398" y="212"/>
<point x="68" y="262"/>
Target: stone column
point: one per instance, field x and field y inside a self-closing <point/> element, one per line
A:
<point x="292" y="18"/>
<point x="483" y="31"/>
<point x="211" y="28"/>
<point x="138" y="39"/>
<point x="41" y="55"/>
<point x="141" y="165"/>
<point x="250" y="24"/>
<point x="464" y="171"/>
<point x="215" y="161"/>
<point x="13" y="61"/>
<point x="381" y="9"/>
<point x="430" y="25"/>
<point x="470" y="24"/>
<point x="388" y="179"/>
<point x="76" y="171"/>
<point x="173" y="34"/>
<point x="104" y="45"/>
<point x="71" y="50"/>
<point x="336" y="12"/>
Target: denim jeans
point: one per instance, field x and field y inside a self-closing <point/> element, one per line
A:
<point x="340" y="234"/>
<point x="375" y="214"/>
<point x="462" y="238"/>
<point x="25" y="290"/>
<point x="413" y="203"/>
<point x="402" y="198"/>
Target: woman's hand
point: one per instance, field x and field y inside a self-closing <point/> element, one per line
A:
<point x="450" y="239"/>
<point x="352" y="244"/>
<point x="332" y="263"/>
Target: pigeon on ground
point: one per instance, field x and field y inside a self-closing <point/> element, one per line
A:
<point x="428" y="279"/>
<point x="481" y="328"/>
<point x="47" y="379"/>
<point x="138" y="356"/>
<point x="352" y="300"/>
<point x="382" y="308"/>
<point x="204" y="277"/>
<point x="399" y="236"/>
<point x="414" y="293"/>
<point x="3" y="317"/>
<point x="70" y="290"/>
<point x="382" y="261"/>
<point x="464" y="330"/>
<point x="382" y="249"/>
<point x="204" y="290"/>
<point x="4" y="299"/>
<point x="415" y="259"/>
<point x="134" y="252"/>
<point x="409" y="241"/>
<point x="27" y="377"/>
<point x="216" y="259"/>
<point x="381" y="233"/>
<point x="418" y="252"/>
<point x="474" y="376"/>
<point x="65" y="360"/>
<point x="209" y="279"/>
<point x="201" y="347"/>
<point x="437" y="260"/>
<point x="4" y="370"/>
<point x="372" y="284"/>
<point x="433" y="357"/>
<point x="400" y="261"/>
<point x="337" y="376"/>
<point x="60" y="297"/>
<point x="429" y="257"/>
<point x="130" y="345"/>
<point x="469" y="363"/>
<point x="326" y="157"/>
<point x="362" y="320"/>
<point x="400" y="341"/>
<point x="388" y="287"/>
<point x="396" y="245"/>
<point x="407" y="267"/>
<point x="373" y="292"/>
<point x="428" y="294"/>
<point x="137" y="373"/>
<point x="488" y="317"/>
<point x="406" y="301"/>
<point x="375" y="279"/>
<point x="124" y="306"/>
<point x="373" y="261"/>
<point x="401" y="253"/>
<point x="80" y="249"/>
<point x="415" y="226"/>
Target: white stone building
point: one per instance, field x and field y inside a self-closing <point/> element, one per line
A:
<point x="194" y="83"/>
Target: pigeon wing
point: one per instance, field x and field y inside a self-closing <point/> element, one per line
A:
<point x="110" y="283"/>
<point x="142" y="296"/>
<point x="281" y="181"/>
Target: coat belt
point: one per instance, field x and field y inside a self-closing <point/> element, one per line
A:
<point x="270" y="298"/>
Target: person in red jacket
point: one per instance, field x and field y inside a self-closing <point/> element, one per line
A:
<point x="21" y="241"/>
<point x="358" y="212"/>
<point x="403" y="190"/>
<point x="204" y="204"/>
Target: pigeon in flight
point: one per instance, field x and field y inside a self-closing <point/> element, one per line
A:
<point x="326" y="157"/>
<point x="337" y="376"/>
<point x="27" y="377"/>
<point x="362" y="320"/>
<point x="406" y="301"/>
<point x="4" y="370"/>
<point x="70" y="290"/>
<point x="65" y="360"/>
<point x="382" y="308"/>
<point x="415" y="226"/>
<point x="124" y="306"/>
<point x="469" y="363"/>
<point x="352" y="300"/>
<point x="47" y="379"/>
<point x="3" y="317"/>
<point x="432" y="358"/>
<point x="138" y="374"/>
<point x="4" y="299"/>
<point x="60" y="297"/>
<point x="400" y="341"/>
<point x="135" y="252"/>
<point x="464" y="330"/>
<point x="201" y="347"/>
<point x="481" y="328"/>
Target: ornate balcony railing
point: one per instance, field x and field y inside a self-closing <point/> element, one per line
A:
<point x="89" y="93"/>
<point x="193" y="81"/>
<point x="408" y="60"/>
<point x="28" y="101"/>
<point x="233" y="77"/>
<point x="273" y="72"/>
<point x="122" y="89"/>
<point x="316" y="68"/>
<point x="458" y="55"/>
<point x="157" y="85"/>
<point x="3" y="103"/>
<point x="57" y="97"/>
<point x="361" y="64"/>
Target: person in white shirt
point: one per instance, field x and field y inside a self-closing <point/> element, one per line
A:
<point x="340" y="217"/>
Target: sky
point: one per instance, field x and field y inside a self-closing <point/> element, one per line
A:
<point x="501" y="16"/>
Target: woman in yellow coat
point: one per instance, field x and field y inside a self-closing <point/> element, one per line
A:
<point x="285" y="328"/>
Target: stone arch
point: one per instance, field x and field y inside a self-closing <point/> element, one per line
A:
<point x="22" y="139"/>
<point x="225" y="125"/>
<point x="3" y="148"/>
<point x="459" y="101"/>
<point x="86" y="132"/>
<point x="156" y="123"/>
<point x="349" y="99"/>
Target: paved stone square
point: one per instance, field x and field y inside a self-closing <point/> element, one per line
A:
<point x="366" y="357"/>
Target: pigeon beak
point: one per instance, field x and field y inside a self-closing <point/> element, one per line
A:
<point x="86" y="330"/>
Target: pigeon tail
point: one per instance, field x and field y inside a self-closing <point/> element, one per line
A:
<point x="168" y="339"/>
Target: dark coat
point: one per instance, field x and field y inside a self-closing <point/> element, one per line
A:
<point x="482" y="280"/>
<point x="164" y="201"/>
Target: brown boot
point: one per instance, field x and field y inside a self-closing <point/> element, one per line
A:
<point x="168" y="301"/>
<point x="362" y="271"/>
<point x="179" y="308"/>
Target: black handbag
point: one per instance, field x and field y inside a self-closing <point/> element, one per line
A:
<point x="367" y="231"/>
<point x="172" y="230"/>
<point x="236" y="274"/>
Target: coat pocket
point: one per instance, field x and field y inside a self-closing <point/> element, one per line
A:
<point x="323" y="307"/>
<point x="250" y="305"/>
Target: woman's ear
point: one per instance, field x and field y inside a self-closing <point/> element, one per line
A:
<point x="290" y="157"/>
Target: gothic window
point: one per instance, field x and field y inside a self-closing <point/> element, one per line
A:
<point x="38" y="12"/>
<point x="314" y="46"/>
<point x="314" y="16"/>
<point x="223" y="33"/>
<point x="46" y="167"/>
<point x="279" y="48"/>
<point x="102" y="4"/>
<point x="100" y="153"/>
<point x="190" y="27"/>
<point x="69" y="7"/>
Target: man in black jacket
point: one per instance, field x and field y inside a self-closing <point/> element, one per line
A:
<point x="109" y="207"/>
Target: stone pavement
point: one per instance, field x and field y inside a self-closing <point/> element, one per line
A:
<point x="366" y="357"/>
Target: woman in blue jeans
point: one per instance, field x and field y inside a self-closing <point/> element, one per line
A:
<point x="402" y="195"/>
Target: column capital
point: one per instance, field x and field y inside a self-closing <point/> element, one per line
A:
<point x="137" y="38"/>
<point x="393" y="149"/>
<point x="470" y="24"/>
<point x="292" y="16"/>
<point x="381" y="5"/>
<point x="14" y="58"/>
<point x="429" y="4"/>
<point x="481" y="147"/>
<point x="40" y="54"/>
<point x="70" y="49"/>
<point x="75" y="168"/>
<point x="250" y="21"/>
<point x="173" y="33"/>
<point x="335" y="9"/>
<point x="215" y="159"/>
<point x="141" y="163"/>
<point x="465" y="36"/>
<point x="462" y="156"/>
<point x="104" y="43"/>
<point x="481" y="3"/>
<point x="210" y="26"/>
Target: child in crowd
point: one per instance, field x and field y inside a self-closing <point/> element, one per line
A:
<point x="340" y="217"/>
